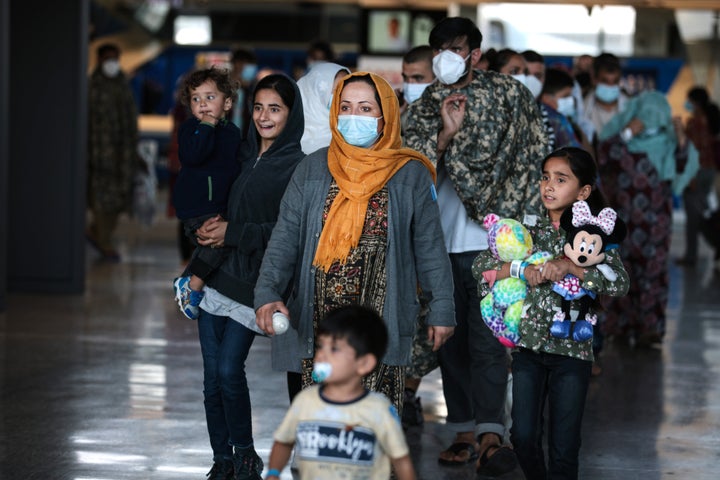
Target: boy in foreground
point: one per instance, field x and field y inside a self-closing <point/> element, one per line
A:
<point x="341" y="429"/>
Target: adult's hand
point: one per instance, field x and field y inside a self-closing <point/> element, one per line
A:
<point x="212" y="232"/>
<point x="439" y="335"/>
<point x="263" y="316"/>
<point x="452" y="113"/>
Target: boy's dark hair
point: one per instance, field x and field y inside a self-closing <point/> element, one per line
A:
<point x="243" y="55"/>
<point x="585" y="168"/>
<point x="531" y="56"/>
<point x="556" y="80"/>
<point x="451" y="28"/>
<point x="361" y="327"/>
<point x="106" y="48"/>
<point x="279" y="83"/>
<point x="324" y="47"/>
<point x="701" y="97"/>
<point x="606" y="62"/>
<point x="497" y="59"/>
<point x="421" y="53"/>
<point x="224" y="82"/>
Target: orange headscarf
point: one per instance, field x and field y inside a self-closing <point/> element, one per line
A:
<point x="360" y="173"/>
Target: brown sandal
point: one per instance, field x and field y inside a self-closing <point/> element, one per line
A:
<point x="456" y="449"/>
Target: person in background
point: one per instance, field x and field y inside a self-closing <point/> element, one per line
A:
<point x="179" y="113"/>
<point x="113" y="159"/>
<point x="549" y="373"/>
<point x="244" y="70"/>
<point x="359" y="224"/>
<point x="417" y="75"/>
<point x="509" y="62"/>
<point x="559" y="107"/>
<point x="642" y="162"/>
<point x="606" y="98"/>
<point x="535" y="64"/>
<point x="316" y="88"/>
<point x="226" y="325"/>
<point x="351" y="341"/>
<point x="208" y="148"/>
<point x="484" y="132"/>
<point x="319" y="51"/>
<point x="702" y="130"/>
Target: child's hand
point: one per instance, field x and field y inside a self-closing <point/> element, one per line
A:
<point x="212" y="232"/>
<point x="555" y="270"/>
<point x="208" y="117"/>
<point x="533" y="275"/>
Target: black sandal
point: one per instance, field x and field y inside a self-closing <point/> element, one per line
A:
<point x="499" y="463"/>
<point x="457" y="448"/>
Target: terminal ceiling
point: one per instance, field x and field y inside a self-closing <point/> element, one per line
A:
<point x="442" y="4"/>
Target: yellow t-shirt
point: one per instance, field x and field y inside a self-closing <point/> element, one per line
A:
<point x="335" y="441"/>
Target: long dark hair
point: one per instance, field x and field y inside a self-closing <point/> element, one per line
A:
<point x="585" y="169"/>
<point x="700" y="97"/>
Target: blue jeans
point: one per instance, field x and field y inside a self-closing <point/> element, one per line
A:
<point x="225" y="345"/>
<point x="563" y="382"/>
<point x="473" y="363"/>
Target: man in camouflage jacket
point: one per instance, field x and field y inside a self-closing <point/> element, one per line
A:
<point x="485" y="134"/>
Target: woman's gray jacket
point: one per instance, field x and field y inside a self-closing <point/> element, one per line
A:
<point x="416" y="255"/>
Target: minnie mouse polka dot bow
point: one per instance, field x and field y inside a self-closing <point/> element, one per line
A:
<point x="582" y="216"/>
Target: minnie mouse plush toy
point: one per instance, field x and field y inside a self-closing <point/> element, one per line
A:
<point x="587" y="239"/>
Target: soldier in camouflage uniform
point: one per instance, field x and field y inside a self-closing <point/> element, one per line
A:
<point x="485" y="134"/>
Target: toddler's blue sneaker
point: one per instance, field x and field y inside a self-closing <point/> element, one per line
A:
<point x="187" y="299"/>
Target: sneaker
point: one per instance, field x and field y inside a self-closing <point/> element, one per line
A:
<point x="221" y="471"/>
<point x="248" y="465"/>
<point x="412" y="414"/>
<point x="187" y="299"/>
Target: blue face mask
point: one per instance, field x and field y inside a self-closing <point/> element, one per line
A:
<point x="689" y="106"/>
<point x="607" y="93"/>
<point x="249" y="72"/>
<point x="358" y="130"/>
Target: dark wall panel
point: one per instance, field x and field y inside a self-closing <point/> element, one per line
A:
<point x="4" y="149"/>
<point x="46" y="168"/>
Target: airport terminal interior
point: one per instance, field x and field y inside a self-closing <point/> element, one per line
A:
<point x="106" y="383"/>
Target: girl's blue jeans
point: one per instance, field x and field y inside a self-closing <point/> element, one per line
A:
<point x="561" y="382"/>
<point x="225" y="345"/>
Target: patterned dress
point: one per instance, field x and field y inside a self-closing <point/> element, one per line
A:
<point x="360" y="280"/>
<point x="635" y="190"/>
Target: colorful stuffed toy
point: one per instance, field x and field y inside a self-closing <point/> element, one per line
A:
<point x="586" y="241"/>
<point x="501" y="309"/>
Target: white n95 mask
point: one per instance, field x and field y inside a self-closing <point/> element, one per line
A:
<point x="449" y="67"/>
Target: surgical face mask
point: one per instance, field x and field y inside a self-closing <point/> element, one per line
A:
<point x="689" y="106"/>
<point x="413" y="91"/>
<point x="249" y="72"/>
<point x="534" y="85"/>
<point x="321" y="372"/>
<point x="566" y="106"/>
<point x="531" y="83"/>
<point x="449" y="67"/>
<point x="110" y="68"/>
<point x="358" y="130"/>
<point x="607" y="93"/>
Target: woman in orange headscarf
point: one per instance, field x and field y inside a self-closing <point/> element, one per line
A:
<point x="359" y="224"/>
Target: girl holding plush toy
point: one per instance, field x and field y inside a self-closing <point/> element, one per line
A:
<point x="553" y="358"/>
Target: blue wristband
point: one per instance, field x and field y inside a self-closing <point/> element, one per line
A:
<point x="273" y="472"/>
<point x="523" y="266"/>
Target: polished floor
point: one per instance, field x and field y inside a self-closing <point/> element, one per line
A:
<point x="108" y="385"/>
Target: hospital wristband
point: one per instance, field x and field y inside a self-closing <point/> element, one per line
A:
<point x="515" y="268"/>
